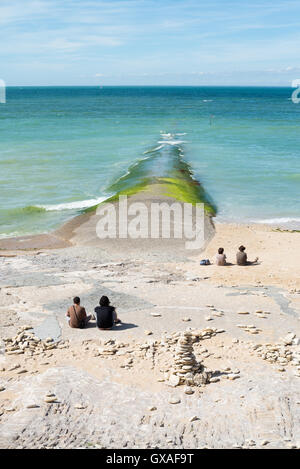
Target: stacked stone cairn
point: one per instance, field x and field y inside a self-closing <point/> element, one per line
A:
<point x="186" y="369"/>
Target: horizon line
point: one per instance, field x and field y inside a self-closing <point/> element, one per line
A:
<point x="148" y="86"/>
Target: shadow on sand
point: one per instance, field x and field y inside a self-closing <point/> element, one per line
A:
<point x="118" y="327"/>
<point x="249" y="263"/>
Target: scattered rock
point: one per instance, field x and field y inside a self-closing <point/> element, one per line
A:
<point x="194" y="418"/>
<point x="80" y="406"/>
<point x="9" y="409"/>
<point x="188" y="390"/>
<point x="49" y="400"/>
<point x="26" y="342"/>
<point x="264" y="442"/>
<point x="174" y="380"/>
<point x="214" y="380"/>
<point x="233" y="376"/>
<point x="50" y="397"/>
<point x="14" y="367"/>
<point x="288" y="339"/>
<point x="174" y="400"/>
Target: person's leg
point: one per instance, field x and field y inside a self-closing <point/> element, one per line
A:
<point x="88" y="318"/>
<point x="115" y="318"/>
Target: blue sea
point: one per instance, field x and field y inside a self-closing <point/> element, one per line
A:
<point x="61" y="148"/>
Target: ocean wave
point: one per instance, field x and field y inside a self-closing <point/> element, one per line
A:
<point x="80" y="204"/>
<point x="169" y="135"/>
<point x="153" y="150"/>
<point x="171" y="142"/>
<point x="272" y="221"/>
<point x="171" y="139"/>
<point x="30" y="209"/>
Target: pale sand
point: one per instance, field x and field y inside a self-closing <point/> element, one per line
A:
<point x="143" y="278"/>
<point x="278" y="253"/>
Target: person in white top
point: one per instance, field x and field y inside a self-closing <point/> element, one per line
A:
<point x="221" y="257"/>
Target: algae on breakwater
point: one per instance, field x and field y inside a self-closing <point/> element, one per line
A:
<point x="164" y="170"/>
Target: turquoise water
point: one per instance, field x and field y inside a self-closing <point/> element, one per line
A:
<point x="61" y="148"/>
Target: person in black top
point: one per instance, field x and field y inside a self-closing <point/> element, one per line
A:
<point x="106" y="315"/>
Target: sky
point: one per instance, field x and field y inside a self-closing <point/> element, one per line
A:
<point x="149" y="42"/>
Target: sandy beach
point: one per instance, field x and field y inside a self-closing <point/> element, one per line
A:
<point x="114" y="389"/>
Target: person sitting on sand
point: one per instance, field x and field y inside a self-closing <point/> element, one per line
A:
<point x="221" y="257"/>
<point x="241" y="257"/>
<point x="77" y="316"/>
<point x="106" y="315"/>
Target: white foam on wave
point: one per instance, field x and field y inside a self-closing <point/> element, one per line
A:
<point x="171" y="136"/>
<point x="73" y="205"/>
<point x="153" y="150"/>
<point x="171" y="142"/>
<point x="272" y="221"/>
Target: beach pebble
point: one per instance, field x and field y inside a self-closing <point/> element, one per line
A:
<point x="174" y="400"/>
<point x="148" y="332"/>
<point x="288" y="339"/>
<point x="156" y="315"/>
<point x="50" y="397"/>
<point x="194" y="418"/>
<point x="186" y="319"/>
<point x="214" y="380"/>
<point x="80" y="406"/>
<point x="49" y="400"/>
<point x="188" y="390"/>
<point x="174" y="380"/>
<point x="151" y="409"/>
<point x="31" y="406"/>
<point x="250" y="442"/>
<point x="232" y="376"/>
<point x="2" y="388"/>
<point x="264" y="442"/>
<point x="14" y="368"/>
<point x="9" y="409"/>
